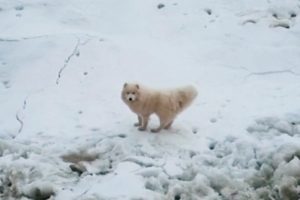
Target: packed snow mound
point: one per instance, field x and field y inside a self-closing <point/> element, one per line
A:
<point x="231" y="168"/>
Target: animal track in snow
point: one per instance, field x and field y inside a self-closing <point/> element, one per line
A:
<point x="208" y="11"/>
<point x="249" y="21"/>
<point x="19" y="7"/>
<point x="213" y="120"/>
<point x="275" y="18"/>
<point x="6" y="84"/>
<point x="160" y="6"/>
<point x="95" y="129"/>
<point x="281" y="23"/>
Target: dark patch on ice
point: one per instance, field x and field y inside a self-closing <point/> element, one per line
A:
<point x="78" y="157"/>
<point x="78" y="53"/>
<point x="293" y="15"/>
<point x="94" y="129"/>
<point x="78" y="126"/>
<point x="289" y="193"/>
<point x="195" y="130"/>
<point x="212" y="145"/>
<point x="208" y="11"/>
<point x="188" y="175"/>
<point x="258" y="165"/>
<point x="102" y="173"/>
<point x="289" y="158"/>
<point x="122" y="135"/>
<point x="275" y="16"/>
<point x="110" y="166"/>
<point x="177" y="197"/>
<point x="19" y="7"/>
<point x="79" y="169"/>
<point x="1" y="189"/>
<point x="213" y="120"/>
<point x="40" y="133"/>
<point x="38" y="194"/>
<point x="192" y="154"/>
<point x="6" y="84"/>
<point x="160" y="6"/>
<point x="85" y="73"/>
<point x="80" y="112"/>
<point x="150" y="186"/>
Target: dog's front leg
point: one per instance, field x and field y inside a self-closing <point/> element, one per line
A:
<point x="139" y="123"/>
<point x="145" y="120"/>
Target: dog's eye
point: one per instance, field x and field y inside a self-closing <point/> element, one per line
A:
<point x="127" y="92"/>
<point x="133" y="93"/>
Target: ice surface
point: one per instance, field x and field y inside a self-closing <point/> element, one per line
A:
<point x="66" y="134"/>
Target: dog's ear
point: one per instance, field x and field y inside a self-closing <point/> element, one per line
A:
<point x="137" y="86"/>
<point x="125" y="85"/>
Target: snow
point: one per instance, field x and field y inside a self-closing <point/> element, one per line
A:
<point x="66" y="134"/>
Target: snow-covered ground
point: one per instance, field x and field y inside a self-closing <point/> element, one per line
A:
<point x="66" y="134"/>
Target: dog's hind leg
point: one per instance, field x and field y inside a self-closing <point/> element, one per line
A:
<point x="139" y="123"/>
<point x="168" y="125"/>
<point x="163" y="124"/>
<point x="144" y="124"/>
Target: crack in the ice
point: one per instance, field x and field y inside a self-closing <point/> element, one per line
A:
<point x="22" y="38"/>
<point x="289" y="71"/>
<point x="24" y="104"/>
<point x="67" y="60"/>
<point x="19" y="119"/>
<point x="21" y="123"/>
<point x="8" y="40"/>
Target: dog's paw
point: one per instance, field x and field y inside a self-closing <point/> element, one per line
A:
<point x="136" y="124"/>
<point x="155" y="130"/>
<point x="141" y="128"/>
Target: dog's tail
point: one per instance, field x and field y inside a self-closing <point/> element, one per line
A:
<point x="186" y="96"/>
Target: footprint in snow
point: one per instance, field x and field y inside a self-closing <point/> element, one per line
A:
<point x="94" y="129"/>
<point x="213" y="120"/>
<point x="19" y="7"/>
<point x="160" y="6"/>
<point x="195" y="130"/>
<point x="208" y="11"/>
<point x="249" y="21"/>
<point x="6" y="84"/>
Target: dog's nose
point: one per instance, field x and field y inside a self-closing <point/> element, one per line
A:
<point x="130" y="99"/>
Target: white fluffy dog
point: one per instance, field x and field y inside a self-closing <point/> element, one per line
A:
<point x="166" y="104"/>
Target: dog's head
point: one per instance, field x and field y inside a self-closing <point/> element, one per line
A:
<point x="130" y="92"/>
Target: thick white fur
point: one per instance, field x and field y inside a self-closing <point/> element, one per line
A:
<point x="166" y="104"/>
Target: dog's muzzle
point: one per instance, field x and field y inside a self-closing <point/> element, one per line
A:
<point x="131" y="97"/>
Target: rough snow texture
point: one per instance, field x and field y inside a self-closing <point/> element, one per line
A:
<point x="65" y="133"/>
